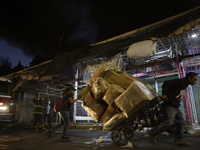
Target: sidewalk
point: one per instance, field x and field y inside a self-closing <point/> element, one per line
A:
<point x="76" y="126"/>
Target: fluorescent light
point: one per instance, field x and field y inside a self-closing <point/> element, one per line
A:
<point x="194" y="35"/>
<point x="3" y="108"/>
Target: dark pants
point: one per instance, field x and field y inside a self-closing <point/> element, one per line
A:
<point x="171" y="115"/>
<point x="64" y="121"/>
<point x="38" y="119"/>
<point x="48" y="117"/>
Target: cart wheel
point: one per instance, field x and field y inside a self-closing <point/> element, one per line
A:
<point x="115" y="136"/>
<point x="128" y="133"/>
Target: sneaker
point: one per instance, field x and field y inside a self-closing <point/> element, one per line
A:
<point x="65" y="137"/>
<point x="182" y="143"/>
<point x="152" y="136"/>
<point x="49" y="133"/>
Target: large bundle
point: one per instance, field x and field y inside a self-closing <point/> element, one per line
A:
<point x="109" y="113"/>
<point x="111" y="91"/>
<point x="114" y="121"/>
<point x="84" y="92"/>
<point x="134" y="98"/>
<point x="94" y="108"/>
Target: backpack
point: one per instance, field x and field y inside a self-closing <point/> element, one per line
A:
<point x="59" y="104"/>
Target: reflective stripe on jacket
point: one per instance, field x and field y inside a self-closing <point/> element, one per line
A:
<point x="39" y="107"/>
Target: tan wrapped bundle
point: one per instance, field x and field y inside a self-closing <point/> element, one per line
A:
<point x="125" y="80"/>
<point x="89" y="99"/>
<point x="95" y="111"/>
<point x="112" y="77"/>
<point x="93" y="108"/>
<point x="100" y="72"/>
<point x="104" y="85"/>
<point x="152" y="90"/>
<point x="108" y="114"/>
<point x="112" y="93"/>
<point x="114" y="121"/>
<point x="94" y="79"/>
<point x="84" y="92"/>
<point x="97" y="92"/>
<point x="134" y="98"/>
<point x="116" y="69"/>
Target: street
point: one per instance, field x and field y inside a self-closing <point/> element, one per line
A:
<point x="27" y="139"/>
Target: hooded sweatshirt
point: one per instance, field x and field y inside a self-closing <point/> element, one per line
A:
<point x="174" y="90"/>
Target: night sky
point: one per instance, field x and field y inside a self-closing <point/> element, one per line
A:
<point x="31" y="27"/>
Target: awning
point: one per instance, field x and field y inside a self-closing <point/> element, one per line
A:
<point x="164" y="29"/>
<point x="185" y="28"/>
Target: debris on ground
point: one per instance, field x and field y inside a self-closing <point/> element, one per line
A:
<point x="100" y="140"/>
<point x="90" y="143"/>
<point x="129" y="145"/>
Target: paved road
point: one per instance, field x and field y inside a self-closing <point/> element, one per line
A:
<point x="28" y="140"/>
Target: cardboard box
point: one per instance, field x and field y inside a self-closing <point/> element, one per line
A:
<point x="125" y="80"/>
<point x="112" y="93"/>
<point x="94" y="108"/>
<point x="108" y="114"/>
<point x="112" y="77"/>
<point x="134" y="98"/>
<point x="114" y="121"/>
<point x="96" y="111"/>
<point x="100" y="72"/>
<point x="89" y="99"/>
<point x="84" y="92"/>
<point x="104" y="85"/>
<point x="101" y="81"/>
<point x="94" y="79"/>
<point x="97" y="92"/>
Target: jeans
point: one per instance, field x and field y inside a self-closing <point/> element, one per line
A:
<point x="48" y="117"/>
<point x="171" y="115"/>
<point x="64" y="121"/>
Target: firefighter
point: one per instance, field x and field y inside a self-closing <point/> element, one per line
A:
<point x="39" y="110"/>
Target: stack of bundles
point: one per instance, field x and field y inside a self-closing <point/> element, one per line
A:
<point x="109" y="89"/>
<point x="94" y="108"/>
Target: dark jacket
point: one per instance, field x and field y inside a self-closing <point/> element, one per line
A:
<point x="39" y="107"/>
<point x="68" y="104"/>
<point x="174" y="90"/>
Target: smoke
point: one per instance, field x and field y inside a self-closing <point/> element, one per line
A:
<point x="38" y="26"/>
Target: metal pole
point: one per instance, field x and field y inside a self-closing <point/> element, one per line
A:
<point x="197" y="83"/>
<point x="180" y="76"/>
<point x="75" y="96"/>
<point x="193" y="104"/>
<point x="187" y="96"/>
<point x="156" y="84"/>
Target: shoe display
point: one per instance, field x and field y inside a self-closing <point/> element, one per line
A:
<point x="182" y="143"/>
<point x="49" y="133"/>
<point x="65" y="137"/>
<point x="152" y="136"/>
